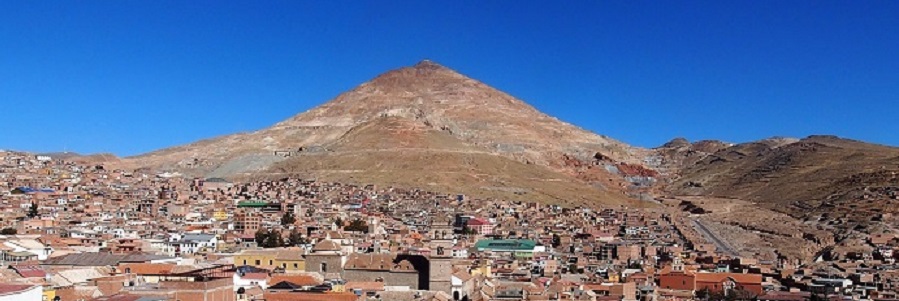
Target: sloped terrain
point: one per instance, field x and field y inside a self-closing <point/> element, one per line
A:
<point x="841" y="183"/>
<point x="444" y="129"/>
<point x="395" y="151"/>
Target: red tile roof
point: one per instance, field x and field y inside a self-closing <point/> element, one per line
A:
<point x="6" y="289"/>
<point x="301" y="280"/>
<point x="304" y="296"/>
<point x="30" y="271"/>
<point x="721" y="277"/>
<point x="255" y="276"/>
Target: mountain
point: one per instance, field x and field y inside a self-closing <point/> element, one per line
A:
<point x="844" y="183"/>
<point x="425" y="126"/>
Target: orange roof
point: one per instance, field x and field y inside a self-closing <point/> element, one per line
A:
<point x="721" y="277"/>
<point x="302" y="280"/>
<point x="365" y="285"/>
<point x="255" y="276"/>
<point x="309" y="296"/>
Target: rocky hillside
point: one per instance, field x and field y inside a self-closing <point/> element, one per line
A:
<point x="429" y="126"/>
<point x="843" y="183"/>
<point x="423" y="117"/>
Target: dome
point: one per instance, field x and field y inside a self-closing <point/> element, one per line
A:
<point x="325" y="246"/>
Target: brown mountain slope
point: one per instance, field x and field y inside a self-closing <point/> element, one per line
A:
<point x="403" y="152"/>
<point x="847" y="181"/>
<point x="435" y="95"/>
<point x="473" y="120"/>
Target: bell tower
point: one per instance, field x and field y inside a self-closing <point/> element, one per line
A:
<point x="678" y="265"/>
<point x="440" y="261"/>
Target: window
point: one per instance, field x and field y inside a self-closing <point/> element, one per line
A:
<point x="270" y="262"/>
<point x="324" y="267"/>
<point x="244" y="262"/>
<point x="258" y="262"/>
<point x="296" y="266"/>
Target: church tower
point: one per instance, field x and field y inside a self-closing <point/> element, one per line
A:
<point x="678" y="265"/>
<point x="440" y="261"/>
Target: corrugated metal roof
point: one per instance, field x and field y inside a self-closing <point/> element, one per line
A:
<point x="100" y="259"/>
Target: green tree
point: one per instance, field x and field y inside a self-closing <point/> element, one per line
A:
<point x="357" y="225"/>
<point x="260" y="236"/>
<point x="288" y="218"/>
<point x="467" y="230"/>
<point x="273" y="240"/>
<point x="9" y="231"/>
<point x="32" y="212"/>
<point x="295" y="238"/>
<point x="702" y="294"/>
<point x="740" y="294"/>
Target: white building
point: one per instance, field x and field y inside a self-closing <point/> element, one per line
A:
<point x="249" y="280"/>
<point x="31" y="246"/>
<point x="191" y="243"/>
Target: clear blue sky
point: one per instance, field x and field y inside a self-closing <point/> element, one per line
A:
<point x="133" y="76"/>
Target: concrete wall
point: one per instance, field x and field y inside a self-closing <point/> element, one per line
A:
<point x="409" y="279"/>
<point x="334" y="263"/>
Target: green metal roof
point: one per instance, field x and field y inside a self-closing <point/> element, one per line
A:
<point x="506" y="244"/>
<point x="253" y="204"/>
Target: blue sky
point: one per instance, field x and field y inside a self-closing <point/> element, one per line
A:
<point x="133" y="76"/>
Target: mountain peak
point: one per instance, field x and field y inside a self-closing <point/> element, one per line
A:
<point x="424" y="74"/>
<point x="428" y="64"/>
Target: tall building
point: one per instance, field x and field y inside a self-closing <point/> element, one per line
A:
<point x="441" y="268"/>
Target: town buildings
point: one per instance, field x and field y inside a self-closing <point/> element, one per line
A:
<point x="109" y="234"/>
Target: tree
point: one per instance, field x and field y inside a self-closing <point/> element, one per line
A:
<point x="288" y="219"/>
<point x="357" y="225"/>
<point x="295" y="238"/>
<point x="9" y="231"/>
<point x="260" y="236"/>
<point x="741" y="294"/>
<point x="467" y="230"/>
<point x="273" y="239"/>
<point x="702" y="294"/>
<point x="32" y="213"/>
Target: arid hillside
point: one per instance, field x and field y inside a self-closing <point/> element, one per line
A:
<point x="424" y="125"/>
<point x="842" y="183"/>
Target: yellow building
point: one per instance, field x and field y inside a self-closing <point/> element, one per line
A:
<point x="220" y="215"/>
<point x="289" y="259"/>
<point x="614" y="276"/>
<point x="484" y="269"/>
<point x="49" y="294"/>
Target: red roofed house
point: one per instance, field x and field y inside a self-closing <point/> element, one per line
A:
<point x="716" y="282"/>
<point x="481" y="226"/>
<point x="729" y="281"/>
